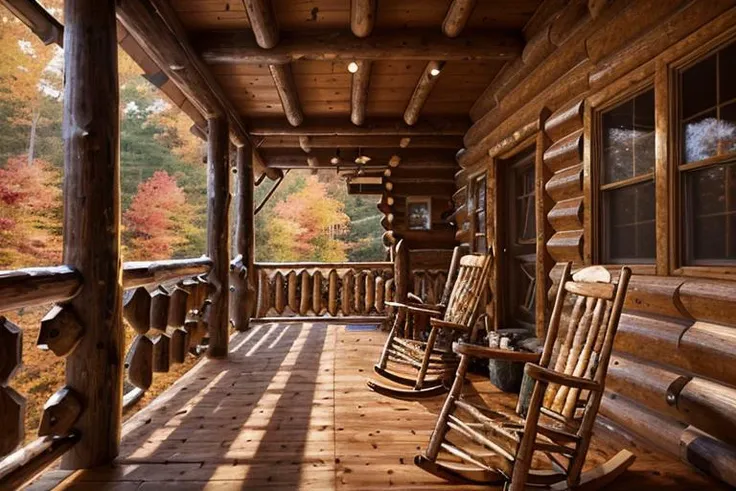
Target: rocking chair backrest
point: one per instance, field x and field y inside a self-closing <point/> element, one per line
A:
<point x="466" y="293"/>
<point x="584" y="348"/>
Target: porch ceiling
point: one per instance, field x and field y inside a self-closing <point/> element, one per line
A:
<point x="284" y="65"/>
<point x="290" y="410"/>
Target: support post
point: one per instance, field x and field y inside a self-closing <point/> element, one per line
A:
<point x="242" y="269"/>
<point x="218" y="237"/>
<point x="92" y="225"/>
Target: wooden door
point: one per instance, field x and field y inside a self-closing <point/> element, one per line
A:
<point x="517" y="217"/>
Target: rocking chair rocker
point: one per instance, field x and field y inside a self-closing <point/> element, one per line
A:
<point x="561" y="411"/>
<point x="420" y="358"/>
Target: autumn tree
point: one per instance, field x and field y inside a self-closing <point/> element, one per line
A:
<point x="307" y="225"/>
<point x="29" y="221"/>
<point x="157" y="220"/>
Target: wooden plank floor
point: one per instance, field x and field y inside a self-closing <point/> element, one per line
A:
<point x="290" y="410"/>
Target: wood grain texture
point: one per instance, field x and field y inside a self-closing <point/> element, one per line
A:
<point x="359" y="92"/>
<point x="236" y="47"/>
<point x="218" y="236"/>
<point x="92" y="225"/>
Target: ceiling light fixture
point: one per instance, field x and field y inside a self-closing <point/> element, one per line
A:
<point x="434" y="72"/>
<point x="352" y="67"/>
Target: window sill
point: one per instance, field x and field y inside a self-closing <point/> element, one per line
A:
<point x="714" y="272"/>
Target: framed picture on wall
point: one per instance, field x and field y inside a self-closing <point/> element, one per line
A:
<point x="419" y="213"/>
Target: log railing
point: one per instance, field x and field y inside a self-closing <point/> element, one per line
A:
<point x="165" y="303"/>
<point x="358" y="289"/>
<point x="323" y="289"/>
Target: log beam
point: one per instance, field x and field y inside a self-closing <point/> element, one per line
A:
<point x="218" y="237"/>
<point x="379" y="127"/>
<point x="238" y="47"/>
<point x="380" y="157"/>
<point x="424" y="87"/>
<point x="367" y="141"/>
<point x="92" y="225"/>
<point x="37" y="286"/>
<point x="263" y="22"/>
<point x="359" y="92"/>
<point x="38" y="20"/>
<point x="362" y="17"/>
<point x="457" y="17"/>
<point x="242" y="273"/>
<point x="284" y="81"/>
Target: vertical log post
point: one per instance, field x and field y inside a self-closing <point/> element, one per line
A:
<point x="218" y="238"/>
<point x="92" y="225"/>
<point x="243" y="301"/>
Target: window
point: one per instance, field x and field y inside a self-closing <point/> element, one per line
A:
<point x="479" y="214"/>
<point x="526" y="226"/>
<point x="627" y="203"/>
<point x="707" y="169"/>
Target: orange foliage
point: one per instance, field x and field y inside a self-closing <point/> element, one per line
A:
<point x="156" y="216"/>
<point x="29" y="197"/>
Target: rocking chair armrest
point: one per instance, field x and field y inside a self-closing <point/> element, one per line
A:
<point x="447" y="325"/>
<point x="495" y="353"/>
<point x="414" y="298"/>
<point x="417" y="309"/>
<point x="542" y="374"/>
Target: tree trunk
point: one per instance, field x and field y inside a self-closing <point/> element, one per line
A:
<point x="32" y="140"/>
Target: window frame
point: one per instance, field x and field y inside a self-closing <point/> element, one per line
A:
<point x="670" y="73"/>
<point x="474" y="210"/>
<point x="593" y="162"/>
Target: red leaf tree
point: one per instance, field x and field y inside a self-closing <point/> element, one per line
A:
<point x="157" y="219"/>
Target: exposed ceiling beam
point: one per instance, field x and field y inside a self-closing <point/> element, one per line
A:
<point x="33" y="15"/>
<point x="266" y="31"/>
<point x="362" y="17"/>
<point x="424" y="87"/>
<point x="286" y="88"/>
<point x="263" y="22"/>
<point x="238" y="47"/>
<point x="457" y="17"/>
<point x="359" y="92"/>
<point x="156" y="27"/>
<point x="379" y="157"/>
<point x="378" y="127"/>
<point x="455" y="20"/>
<point x="368" y="141"/>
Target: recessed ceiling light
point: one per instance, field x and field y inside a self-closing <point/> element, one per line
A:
<point x="352" y="67"/>
<point x="434" y="72"/>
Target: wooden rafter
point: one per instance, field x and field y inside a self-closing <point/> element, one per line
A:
<point x="362" y="17"/>
<point x="266" y="31"/>
<point x="288" y="158"/>
<point x="263" y="22"/>
<point x="377" y="127"/>
<point x="286" y="88"/>
<point x="310" y="142"/>
<point x="238" y="47"/>
<point x="455" y="19"/>
<point x="424" y="87"/>
<point x="359" y="92"/>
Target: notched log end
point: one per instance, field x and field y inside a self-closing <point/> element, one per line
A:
<point x="60" y="413"/>
<point x="61" y="330"/>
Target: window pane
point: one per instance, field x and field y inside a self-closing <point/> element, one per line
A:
<point x="727" y="129"/>
<point x="480" y="191"/>
<point x="701" y="136"/>
<point x="699" y="87"/>
<point x="629" y="223"/>
<point x="710" y="194"/>
<point x="727" y="66"/>
<point x="628" y="139"/>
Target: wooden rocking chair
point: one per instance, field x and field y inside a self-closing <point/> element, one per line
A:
<point x="423" y="358"/>
<point x="548" y="446"/>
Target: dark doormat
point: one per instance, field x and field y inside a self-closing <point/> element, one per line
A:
<point x="361" y="327"/>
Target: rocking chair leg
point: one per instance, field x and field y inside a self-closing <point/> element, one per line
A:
<point x="526" y="448"/>
<point x="389" y="341"/>
<point x="425" y="360"/>
<point x="440" y="428"/>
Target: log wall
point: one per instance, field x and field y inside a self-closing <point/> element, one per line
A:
<point x="672" y="378"/>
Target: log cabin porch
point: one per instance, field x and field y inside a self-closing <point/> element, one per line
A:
<point x="540" y="132"/>
<point x="289" y="409"/>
